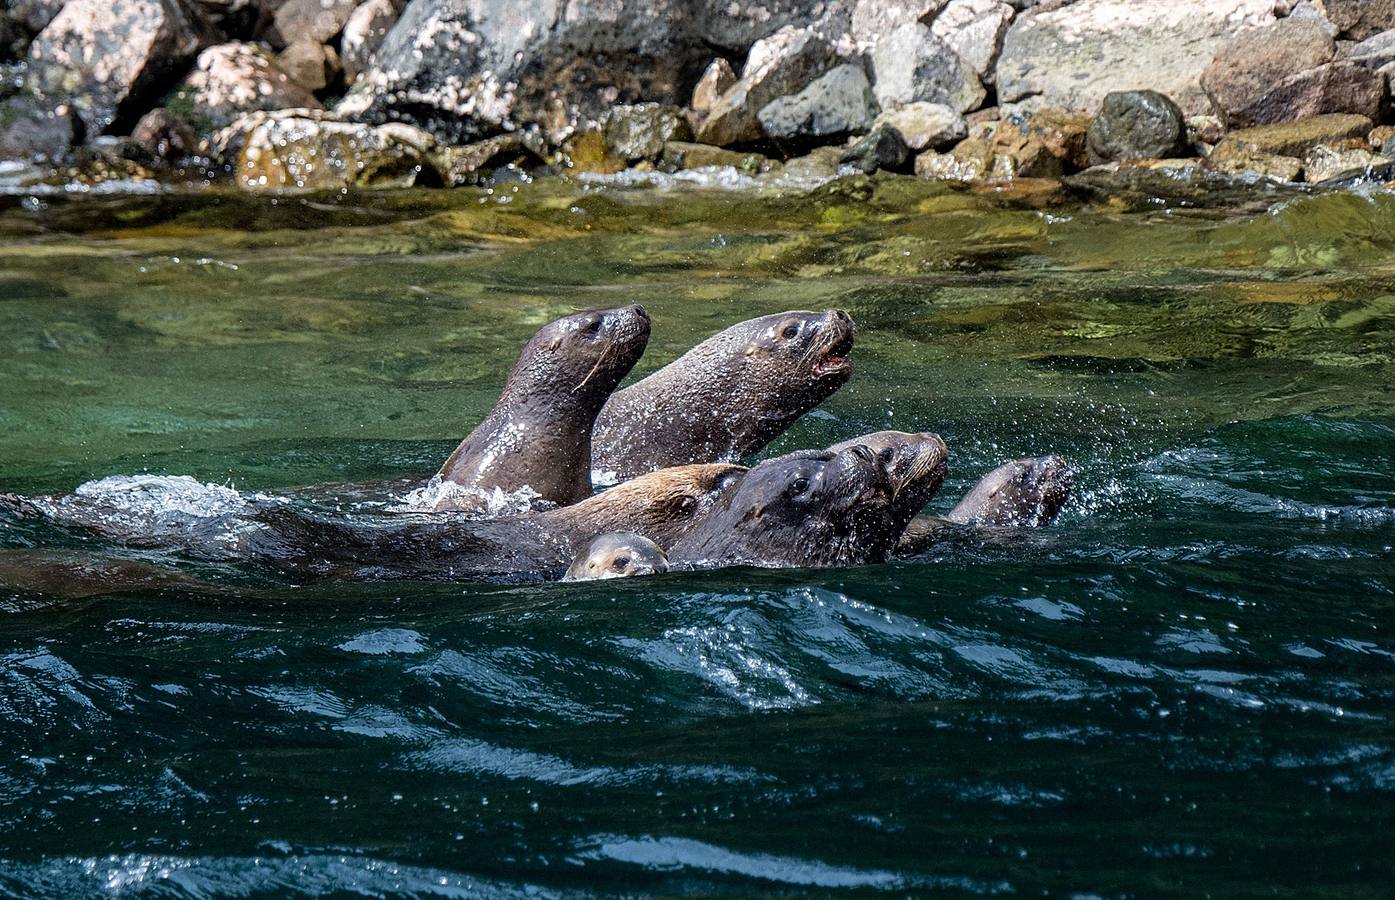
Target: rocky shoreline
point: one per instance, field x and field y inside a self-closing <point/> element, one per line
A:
<point x="314" y="95"/>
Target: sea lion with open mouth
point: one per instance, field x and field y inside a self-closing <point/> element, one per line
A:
<point x="538" y="435"/>
<point x="727" y="397"/>
<point x="809" y="509"/>
<point x="1023" y="493"/>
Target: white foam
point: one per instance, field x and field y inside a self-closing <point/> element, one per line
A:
<point x="439" y="495"/>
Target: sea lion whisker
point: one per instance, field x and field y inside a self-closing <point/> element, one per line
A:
<point x="604" y="351"/>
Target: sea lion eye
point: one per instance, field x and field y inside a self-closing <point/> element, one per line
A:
<point x="799" y="486"/>
<point x="790" y="331"/>
<point x="886" y="455"/>
<point x="592" y="326"/>
<point x="621" y="563"/>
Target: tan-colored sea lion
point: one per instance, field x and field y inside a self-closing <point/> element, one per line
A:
<point x="617" y="555"/>
<point x="1024" y="493"/>
<point x="727" y="397"/>
<point x="538" y="435"/>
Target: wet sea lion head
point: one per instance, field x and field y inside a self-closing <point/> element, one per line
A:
<point x="729" y="396"/>
<point x="617" y="555"/>
<point x="1025" y="492"/>
<point x="814" y="508"/>
<point x="660" y="505"/>
<point x="579" y="359"/>
<point x="538" y="435"/>
<point x="915" y="463"/>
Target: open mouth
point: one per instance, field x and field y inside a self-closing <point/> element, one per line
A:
<point x="835" y="360"/>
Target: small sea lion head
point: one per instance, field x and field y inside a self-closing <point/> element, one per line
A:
<point x="617" y="555"/>
<point x="915" y="464"/>
<point x="1025" y="492"/>
<point x="660" y="505"/>
<point x="582" y="355"/>
<point x="813" y="508"/>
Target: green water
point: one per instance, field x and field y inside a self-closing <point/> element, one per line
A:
<point x="1184" y="686"/>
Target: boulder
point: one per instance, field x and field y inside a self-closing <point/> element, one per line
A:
<point x="107" y="57"/>
<point x="465" y="165"/>
<point x="1285" y="71"/>
<point x="818" y="165"/>
<point x="1071" y="57"/>
<point x="640" y="131"/>
<point x="837" y="103"/>
<point x="872" y="20"/>
<point x="34" y="131"/>
<point x="230" y="80"/>
<point x="1136" y="125"/>
<point x="782" y="64"/>
<point x="310" y="64"/>
<point x="881" y="148"/>
<point x="1289" y="138"/>
<point x="316" y="21"/>
<point x="1359" y="19"/>
<point x="974" y="29"/>
<point x="716" y="80"/>
<point x="365" y="29"/>
<point x="924" y="125"/>
<point x="1375" y="52"/>
<point x="163" y="137"/>
<point x="466" y="69"/>
<point x="911" y="65"/>
<point x="685" y="155"/>
<point x="302" y="149"/>
<point x="1327" y="163"/>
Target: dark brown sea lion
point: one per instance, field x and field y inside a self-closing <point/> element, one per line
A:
<point x="1026" y="492"/>
<point x="727" y="397"/>
<point x="915" y="463"/>
<point x="617" y="555"/>
<point x="807" y="509"/>
<point x="538" y="435"/>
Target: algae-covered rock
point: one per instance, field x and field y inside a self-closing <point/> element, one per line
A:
<point x="587" y="151"/>
<point x="1279" y="168"/>
<point x="836" y="103"/>
<point x="1290" y="138"/>
<point x="309" y="150"/>
<point x="464" y="165"/>
<point x="686" y="155"/>
<point x="1326" y="163"/>
<point x="640" y="131"/>
<point x="1136" y="125"/>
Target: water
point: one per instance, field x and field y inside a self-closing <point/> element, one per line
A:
<point x="1185" y="686"/>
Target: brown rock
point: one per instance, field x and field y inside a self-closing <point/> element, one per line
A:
<point x="1359" y="19"/>
<point x="1339" y="163"/>
<point x="164" y="136"/>
<point x="1019" y="153"/>
<point x="1063" y="133"/>
<point x="1380" y="136"/>
<point x="463" y="165"/>
<point x="310" y="150"/>
<point x="1246" y="70"/>
<point x="312" y="65"/>
<point x="639" y="131"/>
<point x="684" y="155"/>
<point x="587" y="152"/>
<point x="233" y="79"/>
<point x="1289" y="138"/>
<point x="716" y="80"/>
<point x="310" y="20"/>
<point x="1279" y="168"/>
<point x="970" y="160"/>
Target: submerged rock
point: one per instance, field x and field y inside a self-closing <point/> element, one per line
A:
<point x="364" y="31"/>
<point x="911" y="65"/>
<point x="838" y="102"/>
<point x="1072" y="56"/>
<point x="230" y="80"/>
<point x="1136" y="125"/>
<point x="640" y="131"/>
<point x="309" y="150"/>
<point x="780" y="65"/>
<point x="881" y="148"/>
<point x="925" y="125"/>
<point x="104" y="57"/>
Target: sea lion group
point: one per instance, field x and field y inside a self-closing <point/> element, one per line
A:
<point x="672" y="441"/>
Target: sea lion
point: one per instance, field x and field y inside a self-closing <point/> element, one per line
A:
<point x="617" y="555"/>
<point x="915" y="463"/>
<point x="1026" y="492"/>
<point x="538" y="435"/>
<point x="727" y="397"/>
<point x="808" y="509"/>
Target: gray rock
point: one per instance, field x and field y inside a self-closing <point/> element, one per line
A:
<point x="974" y="29"/>
<point x="315" y="21"/>
<point x="363" y="32"/>
<point x="925" y="125"/>
<point x="466" y="69"/>
<point x="874" y="19"/>
<point x="1376" y="51"/>
<point x="716" y="80"/>
<point x="911" y="65"/>
<point x="780" y="65"/>
<point x="1073" y="56"/>
<point x="1329" y="164"/>
<point x="34" y="131"/>
<point x="233" y="79"/>
<point x="1136" y="125"/>
<point x="1306" y="11"/>
<point x="310" y="64"/>
<point x="838" y="102"/>
<point x="640" y="131"/>
<point x="881" y="148"/>
<point x="162" y="137"/>
<point x="104" y="56"/>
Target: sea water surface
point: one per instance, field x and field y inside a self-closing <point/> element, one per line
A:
<point x="1184" y="687"/>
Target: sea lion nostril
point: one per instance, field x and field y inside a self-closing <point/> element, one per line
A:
<point x="841" y="316"/>
<point x="639" y="311"/>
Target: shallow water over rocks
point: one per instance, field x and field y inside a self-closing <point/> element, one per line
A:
<point x="1186" y="685"/>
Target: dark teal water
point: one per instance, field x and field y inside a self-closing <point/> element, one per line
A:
<point x="1184" y="687"/>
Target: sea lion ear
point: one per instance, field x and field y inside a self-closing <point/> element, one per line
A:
<point x="554" y="343"/>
